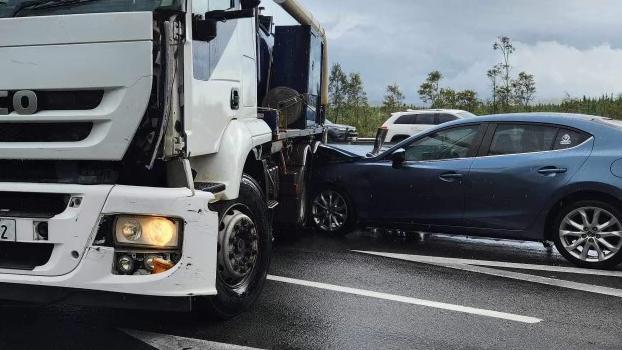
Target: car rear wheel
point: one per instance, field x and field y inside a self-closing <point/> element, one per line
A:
<point x="589" y="234"/>
<point x="332" y="212"/>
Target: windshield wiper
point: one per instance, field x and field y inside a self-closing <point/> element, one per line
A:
<point x="40" y="4"/>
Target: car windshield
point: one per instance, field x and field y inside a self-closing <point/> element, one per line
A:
<point x="8" y="7"/>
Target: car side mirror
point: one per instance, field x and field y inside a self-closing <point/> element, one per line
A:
<point x="398" y="157"/>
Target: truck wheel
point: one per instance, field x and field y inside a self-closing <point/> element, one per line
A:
<point x="589" y="234"/>
<point x="244" y="251"/>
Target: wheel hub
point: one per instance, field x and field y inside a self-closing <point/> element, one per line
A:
<point x="330" y="211"/>
<point x="238" y="242"/>
<point x="591" y="234"/>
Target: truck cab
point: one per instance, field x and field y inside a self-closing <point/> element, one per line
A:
<point x="146" y="146"/>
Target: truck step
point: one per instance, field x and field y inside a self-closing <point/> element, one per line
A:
<point x="212" y="187"/>
<point x="272" y="204"/>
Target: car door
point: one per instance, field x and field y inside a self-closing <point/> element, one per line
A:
<point x="521" y="165"/>
<point x="428" y="187"/>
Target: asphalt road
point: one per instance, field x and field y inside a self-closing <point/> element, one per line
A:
<point x="331" y="293"/>
<point x="369" y="290"/>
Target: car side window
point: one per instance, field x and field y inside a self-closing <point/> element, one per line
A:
<point x="567" y="138"/>
<point x="425" y="119"/>
<point x="445" y="118"/>
<point x="522" y="138"/>
<point x="406" y="119"/>
<point x="446" y="144"/>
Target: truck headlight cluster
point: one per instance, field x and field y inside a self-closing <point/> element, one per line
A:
<point x="147" y="231"/>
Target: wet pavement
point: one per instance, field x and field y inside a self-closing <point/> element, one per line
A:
<point x="327" y="292"/>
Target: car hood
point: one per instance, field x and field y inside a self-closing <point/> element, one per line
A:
<point x="341" y="126"/>
<point x="330" y="154"/>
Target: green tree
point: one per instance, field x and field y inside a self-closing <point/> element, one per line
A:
<point x="447" y="98"/>
<point x="493" y="75"/>
<point x="356" y="97"/>
<point x="524" y="89"/>
<point x="393" y="99"/>
<point x="355" y="91"/>
<point x="337" y="87"/>
<point x="505" y="46"/>
<point x="429" y="89"/>
<point x="467" y="100"/>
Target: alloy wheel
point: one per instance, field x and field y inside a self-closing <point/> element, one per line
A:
<point x="591" y="234"/>
<point x="330" y="211"/>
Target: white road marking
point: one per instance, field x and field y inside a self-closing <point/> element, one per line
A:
<point x="408" y="300"/>
<point x="441" y="260"/>
<point x="472" y="266"/>
<point x="171" y="342"/>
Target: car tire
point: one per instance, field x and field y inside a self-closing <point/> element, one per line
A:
<point x="587" y="233"/>
<point x="332" y="211"/>
<point x="244" y="252"/>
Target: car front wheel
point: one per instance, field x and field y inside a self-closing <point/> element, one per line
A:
<point x="589" y="234"/>
<point x="332" y="212"/>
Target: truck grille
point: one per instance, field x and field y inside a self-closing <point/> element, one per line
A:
<point x="24" y="256"/>
<point x="32" y="205"/>
<point x="69" y="100"/>
<point x="44" y="132"/>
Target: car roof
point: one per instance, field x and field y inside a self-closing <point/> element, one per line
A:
<point x="427" y="111"/>
<point x="588" y="123"/>
<point x="608" y="128"/>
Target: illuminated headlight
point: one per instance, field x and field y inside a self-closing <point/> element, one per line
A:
<point x="148" y="231"/>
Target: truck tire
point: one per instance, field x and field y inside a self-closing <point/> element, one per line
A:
<point x="244" y="252"/>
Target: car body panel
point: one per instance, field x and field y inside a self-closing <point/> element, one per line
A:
<point x="413" y="193"/>
<point x="507" y="192"/>
<point x="502" y="196"/>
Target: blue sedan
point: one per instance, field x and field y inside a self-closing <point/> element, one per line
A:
<point x="542" y="176"/>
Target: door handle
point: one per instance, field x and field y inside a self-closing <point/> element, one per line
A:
<point x="451" y="177"/>
<point x="235" y="99"/>
<point x="552" y="171"/>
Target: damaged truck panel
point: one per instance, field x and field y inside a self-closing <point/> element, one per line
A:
<point x="145" y="148"/>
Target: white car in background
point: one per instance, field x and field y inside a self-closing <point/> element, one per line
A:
<point x="402" y="125"/>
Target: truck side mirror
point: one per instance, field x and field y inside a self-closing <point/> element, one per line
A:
<point x="250" y="4"/>
<point x="398" y="157"/>
<point x="204" y="29"/>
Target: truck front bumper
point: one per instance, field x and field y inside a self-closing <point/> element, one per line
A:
<point x="77" y="268"/>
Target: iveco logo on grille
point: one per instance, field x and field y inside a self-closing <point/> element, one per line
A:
<point x="22" y="102"/>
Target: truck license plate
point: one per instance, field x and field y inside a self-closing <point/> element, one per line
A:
<point x="7" y="230"/>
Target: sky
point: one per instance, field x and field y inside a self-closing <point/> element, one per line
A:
<point x="573" y="47"/>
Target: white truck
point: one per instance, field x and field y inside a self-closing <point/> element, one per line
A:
<point x="147" y="146"/>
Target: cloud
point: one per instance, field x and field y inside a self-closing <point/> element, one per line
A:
<point x="571" y="46"/>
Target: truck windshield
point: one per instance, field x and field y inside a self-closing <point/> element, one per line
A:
<point x="42" y="8"/>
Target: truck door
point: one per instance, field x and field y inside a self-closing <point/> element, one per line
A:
<point x="221" y="78"/>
